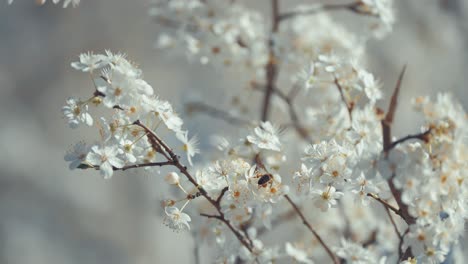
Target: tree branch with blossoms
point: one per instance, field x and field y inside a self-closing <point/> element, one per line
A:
<point x="350" y="159"/>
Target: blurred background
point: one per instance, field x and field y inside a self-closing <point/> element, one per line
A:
<point x="49" y="214"/>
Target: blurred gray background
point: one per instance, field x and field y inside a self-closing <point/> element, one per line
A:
<point x="49" y="214"/>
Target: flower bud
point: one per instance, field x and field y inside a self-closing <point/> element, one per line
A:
<point x="172" y="178"/>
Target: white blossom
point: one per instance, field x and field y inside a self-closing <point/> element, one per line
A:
<point x="105" y="158"/>
<point x="77" y="112"/>
<point x="265" y="137"/>
<point x="176" y="219"/>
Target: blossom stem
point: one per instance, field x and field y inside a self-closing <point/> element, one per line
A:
<point x="309" y="226"/>
<point x="185" y="204"/>
<point x="182" y="188"/>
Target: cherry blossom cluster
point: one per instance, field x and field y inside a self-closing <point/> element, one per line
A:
<point x="322" y="150"/>
<point x="119" y="89"/>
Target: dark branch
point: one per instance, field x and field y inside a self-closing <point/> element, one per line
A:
<point x="424" y="136"/>
<point x="151" y="164"/>
<point x="349" y="106"/>
<point x="385" y="203"/>
<point x="387" y="122"/>
<point x="215" y="112"/>
<point x="352" y="7"/>
<point x="225" y="189"/>
<point x="172" y="157"/>
<point x="395" y="227"/>
<point x="302" y="131"/>
<point x="309" y="226"/>
<point x="277" y="221"/>
<point x="271" y="68"/>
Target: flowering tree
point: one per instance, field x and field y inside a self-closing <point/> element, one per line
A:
<point x="312" y="145"/>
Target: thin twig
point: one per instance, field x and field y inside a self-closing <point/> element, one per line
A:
<point x="371" y="239"/>
<point x="271" y="68"/>
<point x="301" y="130"/>
<point x="395" y="227"/>
<point x="225" y="189"/>
<point x="400" y="250"/>
<point x="349" y="106"/>
<point x="387" y="143"/>
<point x="215" y="112"/>
<point x="151" y="164"/>
<point x="277" y="221"/>
<point x="403" y="211"/>
<point x="387" y="122"/>
<point x="421" y="136"/>
<point x="309" y="226"/>
<point x="385" y="203"/>
<point x="352" y="7"/>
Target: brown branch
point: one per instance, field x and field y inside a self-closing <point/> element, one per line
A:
<point x="349" y="107"/>
<point x="371" y="239"/>
<point x="403" y="211"/>
<point x="424" y="136"/>
<point x="400" y="250"/>
<point x="271" y="67"/>
<point x="225" y="189"/>
<point x="294" y="117"/>
<point x="385" y="203"/>
<point x="151" y="164"/>
<point x="133" y="166"/>
<point x="172" y="157"/>
<point x="352" y="7"/>
<point x="277" y="221"/>
<point x="388" y="120"/>
<point x="309" y="226"/>
<point x="228" y="224"/>
<point x="301" y="130"/>
<point x="395" y="227"/>
<point x="215" y="112"/>
<point x="388" y="145"/>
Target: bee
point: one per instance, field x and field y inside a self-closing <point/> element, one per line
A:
<point x="264" y="180"/>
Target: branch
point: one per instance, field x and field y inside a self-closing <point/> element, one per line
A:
<point x="352" y="7"/>
<point x="225" y="189"/>
<point x="349" y="107"/>
<point x="385" y="203"/>
<point x="236" y="232"/>
<point x="216" y="113"/>
<point x="151" y="164"/>
<point x="400" y="251"/>
<point x="387" y="122"/>
<point x="302" y="131"/>
<point x="271" y="67"/>
<point x="403" y="211"/>
<point x="424" y="136"/>
<point x="277" y="221"/>
<point x="395" y="227"/>
<point x="309" y="226"/>
<point x="172" y="157"/>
